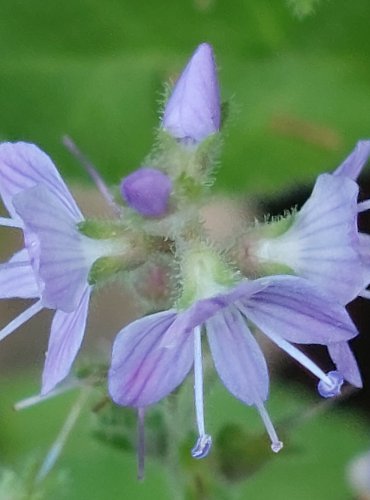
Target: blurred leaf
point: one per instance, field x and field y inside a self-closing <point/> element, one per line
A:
<point x="322" y="444"/>
<point x="303" y="8"/>
<point x="96" y="72"/>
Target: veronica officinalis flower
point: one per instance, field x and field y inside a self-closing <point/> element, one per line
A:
<point x="54" y="265"/>
<point x="153" y="355"/>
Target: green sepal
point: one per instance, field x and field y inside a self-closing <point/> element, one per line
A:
<point x="105" y="268"/>
<point x="273" y="268"/>
<point x="204" y="274"/>
<point x="277" y="226"/>
<point x="190" y="166"/>
<point x="101" y="229"/>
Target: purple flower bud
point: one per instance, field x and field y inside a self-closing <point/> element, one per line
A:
<point x="193" y="110"/>
<point x="147" y="190"/>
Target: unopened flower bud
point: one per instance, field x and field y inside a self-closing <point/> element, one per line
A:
<point x="147" y="190"/>
<point x="193" y="110"/>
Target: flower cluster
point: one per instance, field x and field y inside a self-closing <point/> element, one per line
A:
<point x="289" y="278"/>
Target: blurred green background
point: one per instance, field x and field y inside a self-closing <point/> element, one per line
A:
<point x="299" y="93"/>
<point x="299" y="87"/>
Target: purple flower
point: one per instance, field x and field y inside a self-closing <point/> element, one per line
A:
<point x="54" y="264"/>
<point x="351" y="168"/>
<point x="147" y="191"/>
<point x="193" y="111"/>
<point x="153" y="355"/>
<point x="322" y="242"/>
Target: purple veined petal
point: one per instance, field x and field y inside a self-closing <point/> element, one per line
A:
<point x="17" y="278"/>
<point x="142" y="372"/>
<point x="345" y="362"/>
<point x="65" y="255"/>
<point x="147" y="191"/>
<point x="193" y="110"/>
<point x="204" y="309"/>
<point x="364" y="249"/>
<point x="299" y="312"/>
<point x="322" y="243"/>
<point x="329" y="240"/>
<point x="20" y="256"/>
<point x="238" y="358"/>
<point x="66" y="334"/>
<point x="355" y="161"/>
<point x="23" y="166"/>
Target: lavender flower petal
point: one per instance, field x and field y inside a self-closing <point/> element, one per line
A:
<point x="147" y="190"/>
<point x="67" y="331"/>
<point x="17" y="279"/>
<point x="345" y="362"/>
<point x="63" y="261"/>
<point x="294" y="309"/>
<point x="142" y="372"/>
<point x="23" y="166"/>
<point x="354" y="163"/>
<point x="327" y="230"/>
<point x="322" y="243"/>
<point x="193" y="110"/>
<point x="238" y="358"/>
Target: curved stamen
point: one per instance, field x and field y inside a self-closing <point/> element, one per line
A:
<point x="7" y="222"/>
<point x="22" y="318"/>
<point x="300" y="357"/>
<point x="204" y="441"/>
<point x="276" y="444"/>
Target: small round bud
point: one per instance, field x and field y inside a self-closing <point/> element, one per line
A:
<point x="147" y="191"/>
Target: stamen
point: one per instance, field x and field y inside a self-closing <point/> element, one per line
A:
<point x="204" y="441"/>
<point x="276" y="444"/>
<point x="300" y="357"/>
<point x="140" y="444"/>
<point x="7" y="222"/>
<point x="363" y="206"/>
<point x="94" y="174"/>
<point x="333" y="388"/>
<point x="38" y="398"/>
<point x="59" y="443"/>
<point x="22" y="318"/>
